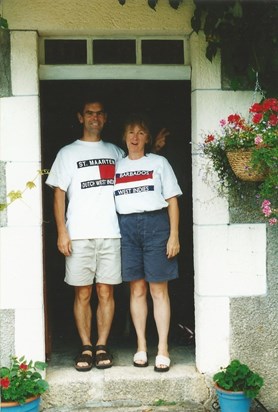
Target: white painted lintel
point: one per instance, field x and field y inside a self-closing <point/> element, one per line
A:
<point x="116" y="72"/>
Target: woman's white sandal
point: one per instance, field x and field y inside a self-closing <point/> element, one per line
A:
<point x="162" y="360"/>
<point x="140" y="357"/>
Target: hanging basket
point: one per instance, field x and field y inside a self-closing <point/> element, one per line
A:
<point x="240" y="162"/>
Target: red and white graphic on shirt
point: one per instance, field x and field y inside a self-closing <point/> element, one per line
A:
<point x="134" y="176"/>
<point x="107" y="171"/>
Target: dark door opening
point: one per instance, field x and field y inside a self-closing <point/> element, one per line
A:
<point x="168" y="104"/>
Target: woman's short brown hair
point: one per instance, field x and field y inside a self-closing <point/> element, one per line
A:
<point x="141" y="120"/>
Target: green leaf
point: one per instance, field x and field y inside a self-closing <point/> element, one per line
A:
<point x="196" y="21"/>
<point x="211" y="51"/>
<point x="40" y="365"/>
<point x="152" y="4"/>
<point x="30" y="185"/>
<point x="175" y="3"/>
<point x="45" y="171"/>
<point x="4" y="371"/>
<point x="3" y="23"/>
<point x="35" y="375"/>
<point x="237" y="9"/>
<point x="13" y="195"/>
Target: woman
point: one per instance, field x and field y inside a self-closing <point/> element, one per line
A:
<point x="146" y="191"/>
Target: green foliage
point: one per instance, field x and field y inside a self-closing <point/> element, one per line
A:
<point x="246" y="33"/>
<point x="161" y="402"/>
<point x="3" y="23"/>
<point x="260" y="135"/>
<point x="153" y="3"/>
<point x="237" y="377"/>
<point x="22" y="380"/>
<point x="18" y="194"/>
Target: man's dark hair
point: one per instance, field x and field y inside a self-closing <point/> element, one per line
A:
<point x="89" y="99"/>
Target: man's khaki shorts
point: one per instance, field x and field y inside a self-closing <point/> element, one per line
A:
<point x="94" y="260"/>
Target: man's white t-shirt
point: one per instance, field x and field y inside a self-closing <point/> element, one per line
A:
<point x="86" y="171"/>
<point x="144" y="184"/>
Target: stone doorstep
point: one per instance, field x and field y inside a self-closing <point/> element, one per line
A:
<point x="124" y="387"/>
<point x="183" y="407"/>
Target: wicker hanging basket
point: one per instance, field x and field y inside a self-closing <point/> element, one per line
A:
<point x="240" y="162"/>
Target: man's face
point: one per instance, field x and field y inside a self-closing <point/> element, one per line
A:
<point x="93" y="117"/>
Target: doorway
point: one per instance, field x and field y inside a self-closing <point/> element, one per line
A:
<point x="168" y="105"/>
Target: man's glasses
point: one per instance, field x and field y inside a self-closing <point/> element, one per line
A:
<point x="90" y="113"/>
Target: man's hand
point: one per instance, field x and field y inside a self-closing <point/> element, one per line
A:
<point x="64" y="244"/>
<point x="160" y="140"/>
<point x="63" y="241"/>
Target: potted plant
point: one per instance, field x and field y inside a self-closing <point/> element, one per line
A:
<point x="247" y="150"/>
<point x="21" y="385"/>
<point x="236" y="386"/>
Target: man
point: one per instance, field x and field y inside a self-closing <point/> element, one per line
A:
<point x="89" y="238"/>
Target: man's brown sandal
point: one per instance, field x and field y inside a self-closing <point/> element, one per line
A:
<point x="85" y="358"/>
<point x="103" y="356"/>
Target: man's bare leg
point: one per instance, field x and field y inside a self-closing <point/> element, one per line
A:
<point x="105" y="315"/>
<point x="83" y="317"/>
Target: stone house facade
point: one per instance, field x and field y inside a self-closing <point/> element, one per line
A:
<point x="235" y="256"/>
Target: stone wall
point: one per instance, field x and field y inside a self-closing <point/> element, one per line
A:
<point x="7" y="335"/>
<point x="21" y="263"/>
<point x="5" y="63"/>
<point x="6" y="316"/>
<point x="254" y="328"/>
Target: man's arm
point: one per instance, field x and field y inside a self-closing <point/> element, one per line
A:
<point x="63" y="240"/>
<point x="160" y="140"/>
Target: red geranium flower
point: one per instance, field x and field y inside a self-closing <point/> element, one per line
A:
<point x="5" y="382"/>
<point x="23" y="366"/>
<point x="273" y="120"/>
<point x="257" y="118"/>
<point x="210" y="138"/>
<point x="270" y="104"/>
<point x="256" y="108"/>
<point x="234" y="118"/>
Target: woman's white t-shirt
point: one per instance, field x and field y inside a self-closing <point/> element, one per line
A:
<point x="144" y="184"/>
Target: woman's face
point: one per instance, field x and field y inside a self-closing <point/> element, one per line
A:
<point x="136" y="138"/>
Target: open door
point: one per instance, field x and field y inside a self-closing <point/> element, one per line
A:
<point x="168" y="105"/>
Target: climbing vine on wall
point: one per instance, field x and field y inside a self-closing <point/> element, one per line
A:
<point x="246" y="34"/>
<point x="152" y="3"/>
<point x="14" y="195"/>
<point x="3" y="23"/>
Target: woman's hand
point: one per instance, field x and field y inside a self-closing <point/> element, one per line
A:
<point x="173" y="246"/>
